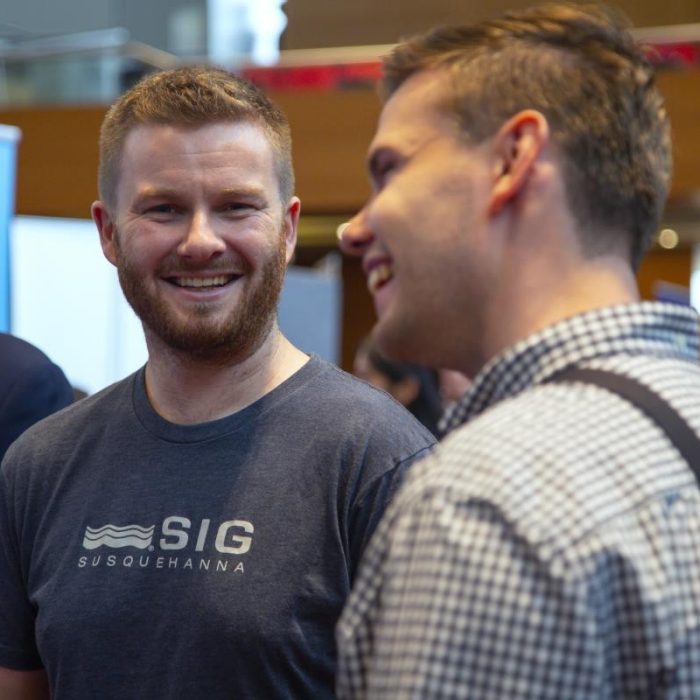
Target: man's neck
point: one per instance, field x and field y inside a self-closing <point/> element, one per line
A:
<point x="186" y="390"/>
<point x="545" y="297"/>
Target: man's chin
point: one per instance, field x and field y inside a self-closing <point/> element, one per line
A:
<point x="399" y="337"/>
<point x="211" y="344"/>
<point x="388" y="336"/>
<point x="227" y="332"/>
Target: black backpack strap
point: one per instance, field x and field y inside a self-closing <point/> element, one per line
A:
<point x="647" y="401"/>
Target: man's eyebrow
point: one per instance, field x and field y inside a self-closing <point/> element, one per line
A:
<point x="155" y="192"/>
<point x="243" y="191"/>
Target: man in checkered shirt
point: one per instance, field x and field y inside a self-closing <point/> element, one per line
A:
<point x="550" y="548"/>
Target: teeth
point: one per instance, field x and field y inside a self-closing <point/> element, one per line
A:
<point x="378" y="276"/>
<point x="201" y="281"/>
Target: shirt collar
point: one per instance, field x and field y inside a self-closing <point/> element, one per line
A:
<point x="650" y="328"/>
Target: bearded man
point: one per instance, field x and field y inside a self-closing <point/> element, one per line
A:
<point x="193" y="530"/>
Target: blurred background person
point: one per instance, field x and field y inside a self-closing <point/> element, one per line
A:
<point x="415" y="387"/>
<point x="31" y="387"/>
<point x="453" y="385"/>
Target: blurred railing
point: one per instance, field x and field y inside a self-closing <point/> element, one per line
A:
<point x="82" y="68"/>
<point x="94" y="67"/>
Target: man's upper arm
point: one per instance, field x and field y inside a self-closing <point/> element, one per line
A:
<point x="23" y="685"/>
<point x="447" y="598"/>
<point x="374" y="499"/>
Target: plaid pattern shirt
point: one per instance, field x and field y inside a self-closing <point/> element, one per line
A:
<point x="550" y="546"/>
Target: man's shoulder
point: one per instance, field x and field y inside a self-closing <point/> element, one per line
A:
<point x="339" y="394"/>
<point x="562" y="413"/>
<point x="74" y="422"/>
<point x="575" y="452"/>
<point x="348" y="385"/>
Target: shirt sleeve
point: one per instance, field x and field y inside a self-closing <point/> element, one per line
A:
<point x="451" y="602"/>
<point x="373" y="500"/>
<point x="17" y="617"/>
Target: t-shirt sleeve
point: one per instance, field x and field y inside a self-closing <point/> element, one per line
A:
<point x="17" y="617"/>
<point x="373" y="500"/>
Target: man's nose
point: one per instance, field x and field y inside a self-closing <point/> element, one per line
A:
<point x="201" y="241"/>
<point x="355" y="235"/>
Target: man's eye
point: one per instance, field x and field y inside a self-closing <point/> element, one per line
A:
<point x="386" y="169"/>
<point x="236" y="207"/>
<point x="383" y="173"/>
<point x="162" y="209"/>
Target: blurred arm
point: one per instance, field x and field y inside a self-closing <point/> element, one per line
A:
<point x="23" y="685"/>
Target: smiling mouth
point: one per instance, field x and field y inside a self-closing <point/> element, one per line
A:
<point x="378" y="277"/>
<point x="203" y="282"/>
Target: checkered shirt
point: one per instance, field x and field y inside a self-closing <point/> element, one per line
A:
<point x="550" y="546"/>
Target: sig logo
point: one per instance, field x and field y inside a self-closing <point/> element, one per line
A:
<point x="117" y="537"/>
<point x="232" y="536"/>
<point x="176" y="533"/>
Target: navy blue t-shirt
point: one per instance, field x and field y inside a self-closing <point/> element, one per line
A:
<point x="139" y="558"/>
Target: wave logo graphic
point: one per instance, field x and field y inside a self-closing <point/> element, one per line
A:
<point x="118" y="537"/>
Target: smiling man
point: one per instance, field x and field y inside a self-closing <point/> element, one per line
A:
<point x="550" y="546"/>
<point x="193" y="530"/>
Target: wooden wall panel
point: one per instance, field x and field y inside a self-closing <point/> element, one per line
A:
<point x="681" y="91"/>
<point x="672" y="266"/>
<point x="57" y="159"/>
<point x="358" y="311"/>
<point x="324" y="23"/>
<point x="331" y="132"/>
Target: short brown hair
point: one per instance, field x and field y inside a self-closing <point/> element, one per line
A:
<point x="191" y="97"/>
<point x="580" y="67"/>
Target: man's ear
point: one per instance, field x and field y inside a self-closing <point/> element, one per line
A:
<point x="518" y="144"/>
<point x="105" y="225"/>
<point x="291" y="226"/>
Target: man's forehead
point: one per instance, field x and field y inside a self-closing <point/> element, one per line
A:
<point x="234" y="156"/>
<point x="233" y="129"/>
<point x="236" y="145"/>
<point x="416" y="108"/>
